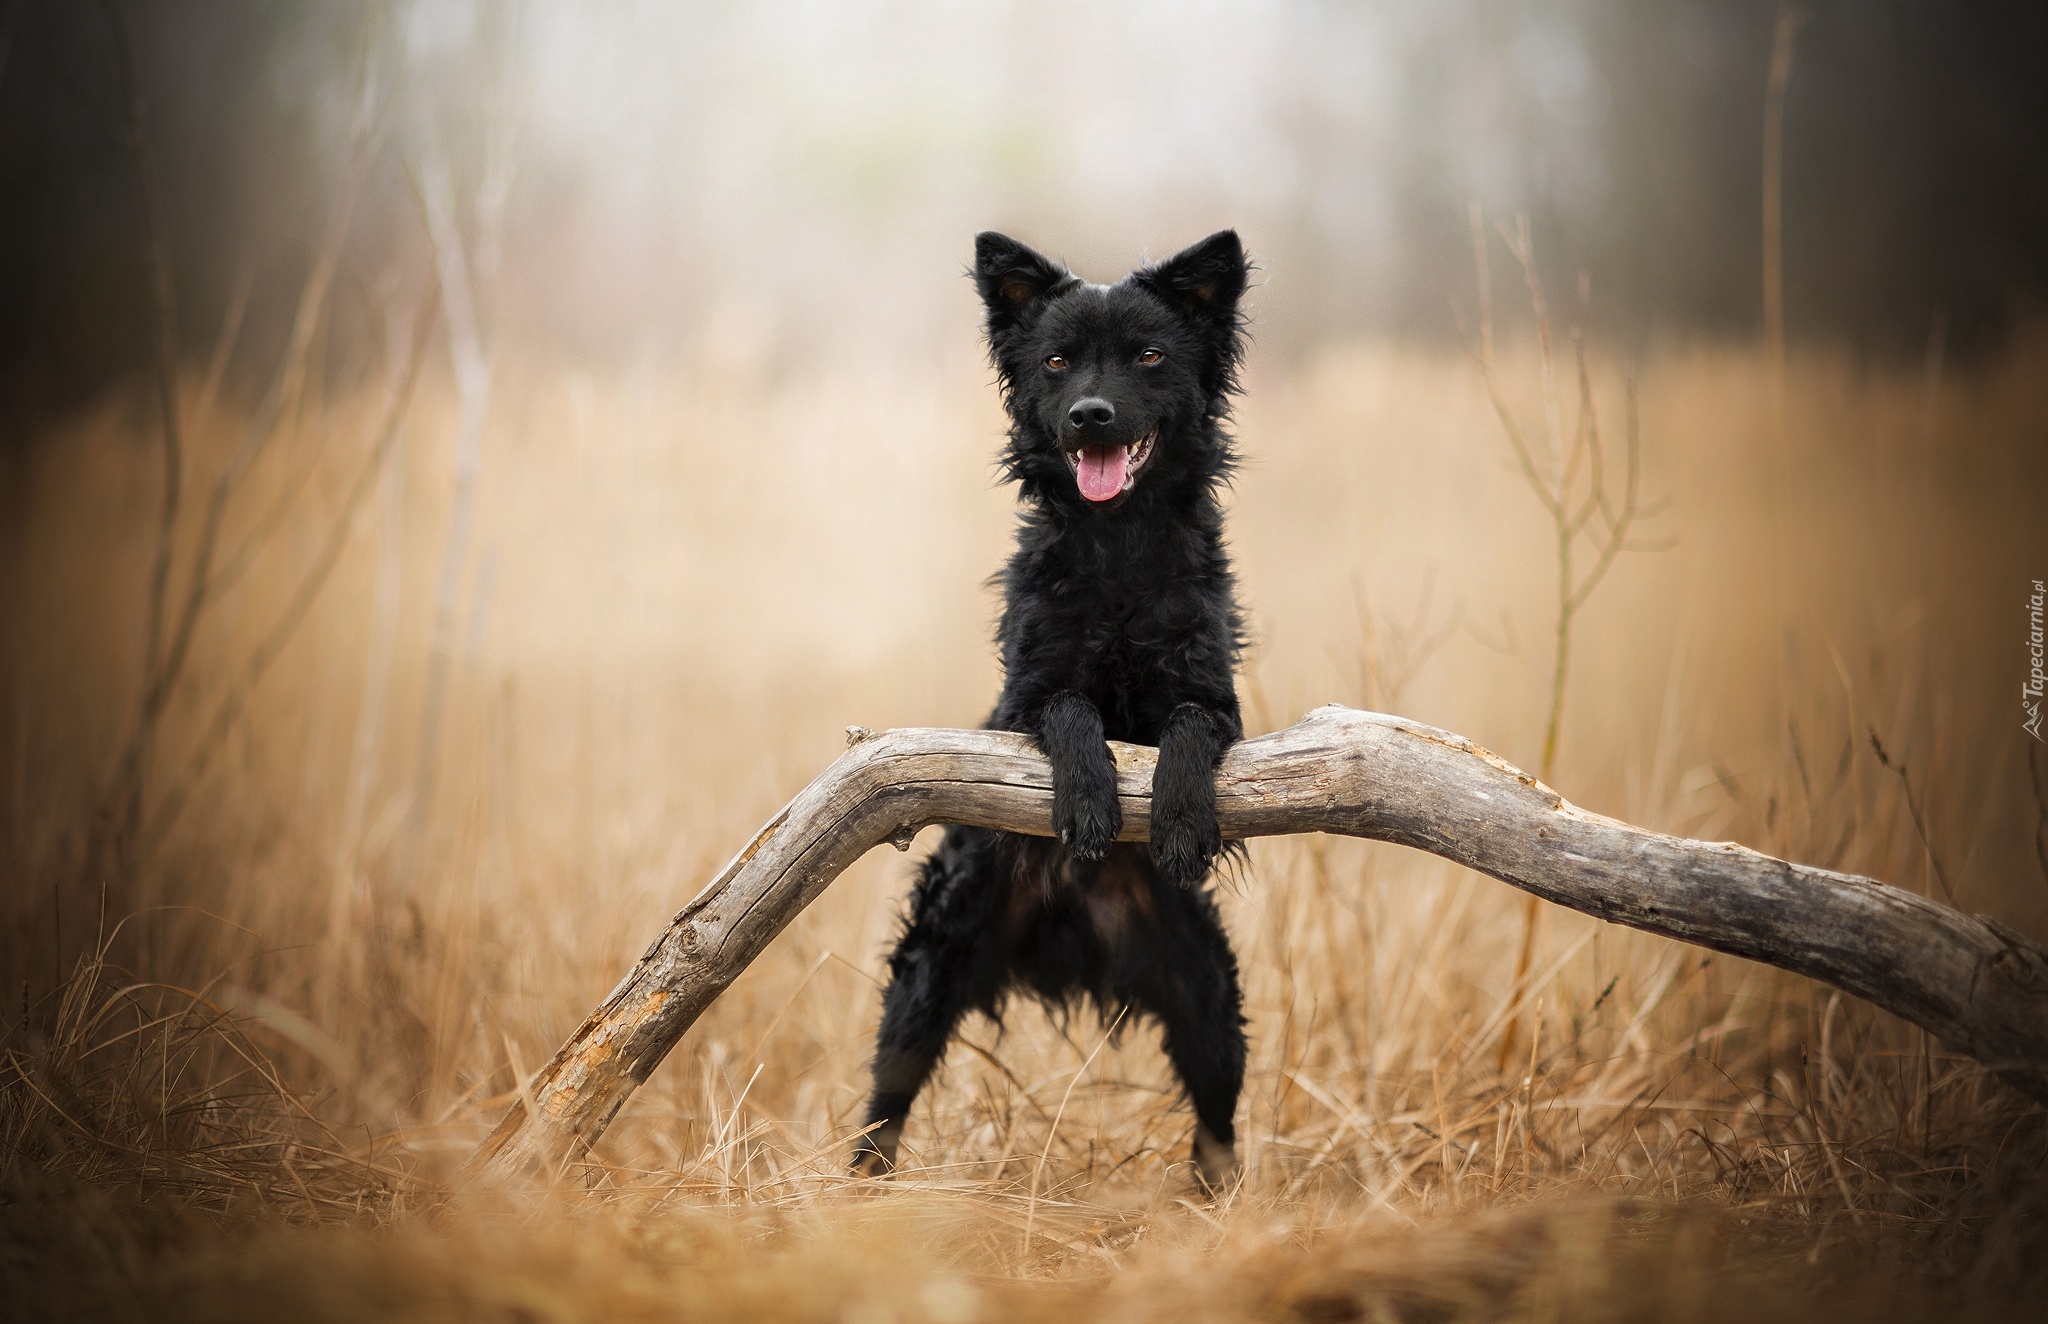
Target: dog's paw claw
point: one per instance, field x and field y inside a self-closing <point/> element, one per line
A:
<point x="1091" y="843"/>
<point x="1182" y="870"/>
<point x="1183" y="851"/>
<point x="1087" y="826"/>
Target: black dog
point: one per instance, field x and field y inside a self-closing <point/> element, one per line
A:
<point x="1119" y="623"/>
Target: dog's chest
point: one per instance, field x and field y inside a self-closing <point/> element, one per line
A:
<point x="1098" y="610"/>
<point x="1124" y="635"/>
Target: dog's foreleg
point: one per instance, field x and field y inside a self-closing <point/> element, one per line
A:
<point x="1185" y="839"/>
<point x="1085" y="814"/>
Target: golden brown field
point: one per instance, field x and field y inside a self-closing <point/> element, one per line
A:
<point x="240" y="1076"/>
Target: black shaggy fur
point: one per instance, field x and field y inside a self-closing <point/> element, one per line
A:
<point x="1119" y="623"/>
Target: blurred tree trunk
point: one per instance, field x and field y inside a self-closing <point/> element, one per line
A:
<point x="467" y="273"/>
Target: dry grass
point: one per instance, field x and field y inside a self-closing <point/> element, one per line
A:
<point x="687" y="584"/>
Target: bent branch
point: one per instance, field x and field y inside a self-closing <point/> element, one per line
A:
<point x="1971" y="981"/>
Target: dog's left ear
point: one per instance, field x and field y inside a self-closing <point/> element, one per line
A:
<point x="1206" y="280"/>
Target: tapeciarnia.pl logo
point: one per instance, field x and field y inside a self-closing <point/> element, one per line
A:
<point x="2030" y="690"/>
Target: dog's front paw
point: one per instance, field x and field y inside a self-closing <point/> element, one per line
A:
<point x="1185" y="842"/>
<point x="1087" y="819"/>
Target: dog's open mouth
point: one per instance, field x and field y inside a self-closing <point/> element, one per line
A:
<point x="1105" y="473"/>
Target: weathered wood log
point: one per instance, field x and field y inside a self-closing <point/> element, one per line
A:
<point x="1972" y="982"/>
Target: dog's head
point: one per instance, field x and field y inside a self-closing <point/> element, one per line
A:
<point x="1111" y="387"/>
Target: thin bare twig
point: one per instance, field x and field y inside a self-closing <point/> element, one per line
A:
<point x="1393" y="652"/>
<point x="234" y="704"/>
<point x="1575" y="491"/>
<point x="290" y="383"/>
<point x="224" y="344"/>
<point x="1482" y="359"/>
<point x="165" y="663"/>
<point x="164" y="320"/>
<point x="257" y="541"/>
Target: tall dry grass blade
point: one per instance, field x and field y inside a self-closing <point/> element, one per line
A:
<point x="1913" y="809"/>
<point x="370" y="710"/>
<point x="1038" y="1172"/>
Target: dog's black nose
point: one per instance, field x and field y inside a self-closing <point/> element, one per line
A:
<point x="1092" y="413"/>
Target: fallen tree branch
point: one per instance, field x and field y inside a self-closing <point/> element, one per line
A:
<point x="1971" y="981"/>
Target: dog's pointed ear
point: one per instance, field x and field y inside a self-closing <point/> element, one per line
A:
<point x="1014" y="279"/>
<point x="1206" y="279"/>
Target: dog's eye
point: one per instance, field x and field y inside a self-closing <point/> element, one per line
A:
<point x="1058" y="363"/>
<point x="1150" y="357"/>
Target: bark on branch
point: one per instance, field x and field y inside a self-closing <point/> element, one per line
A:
<point x="1971" y="981"/>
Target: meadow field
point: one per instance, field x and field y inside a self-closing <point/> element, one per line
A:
<point x="250" y="1051"/>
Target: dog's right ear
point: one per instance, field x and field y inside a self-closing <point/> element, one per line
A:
<point x="1014" y="279"/>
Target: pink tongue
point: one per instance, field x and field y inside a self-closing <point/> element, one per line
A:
<point x="1101" y="474"/>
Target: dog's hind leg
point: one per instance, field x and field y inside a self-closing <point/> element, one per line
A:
<point x="938" y="971"/>
<point x="1193" y="990"/>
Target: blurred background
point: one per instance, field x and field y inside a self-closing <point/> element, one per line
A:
<point x="768" y="176"/>
<point x="463" y="465"/>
